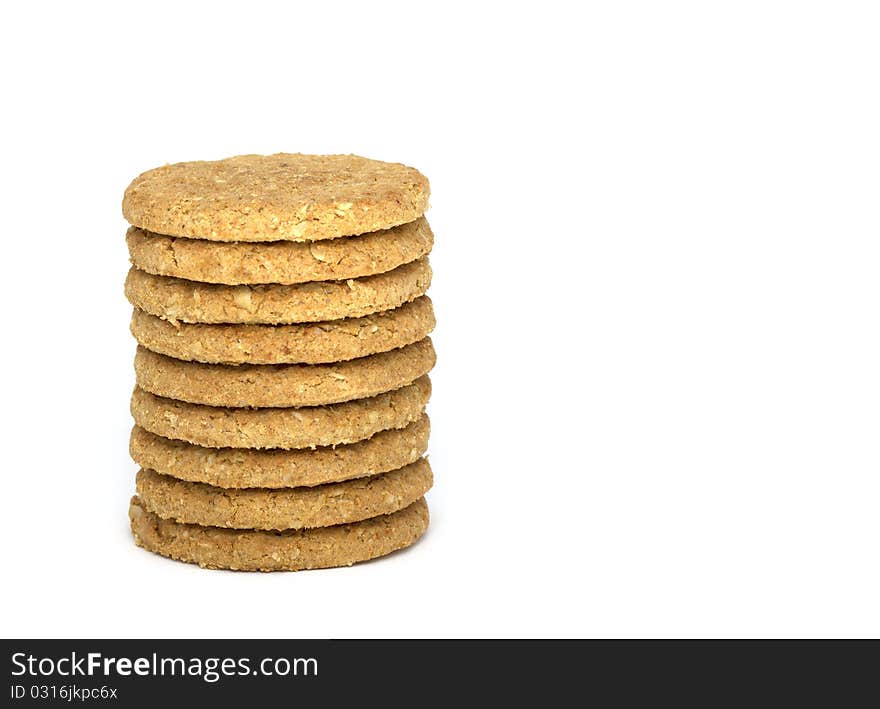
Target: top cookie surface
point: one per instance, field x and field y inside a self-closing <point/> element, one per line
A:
<point x="281" y="197"/>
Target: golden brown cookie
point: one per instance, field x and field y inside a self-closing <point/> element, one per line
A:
<point x="193" y="302"/>
<point x="306" y="343"/>
<point x="245" y="468"/>
<point x="308" y="427"/>
<point x="290" y="508"/>
<point x="282" y="197"/>
<point x="281" y="385"/>
<point x="285" y="262"/>
<point x="291" y="550"/>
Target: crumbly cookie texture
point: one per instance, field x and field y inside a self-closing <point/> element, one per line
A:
<point x="282" y="197"/>
<point x="284" y="262"/>
<point x="193" y="302"/>
<point x="282" y="385"/>
<point x="248" y="468"/>
<point x="303" y="343"/>
<point x="291" y="508"/>
<point x="308" y="427"/>
<point x="291" y="550"/>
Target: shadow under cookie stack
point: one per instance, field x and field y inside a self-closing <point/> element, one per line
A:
<point x="282" y="361"/>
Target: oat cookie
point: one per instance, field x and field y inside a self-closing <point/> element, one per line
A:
<point x="193" y="302"/>
<point x="303" y="343"/>
<point x="284" y="262"/>
<point x="274" y="468"/>
<point x="289" y="508"/>
<point x="292" y="550"/>
<point x="289" y="197"/>
<point x="280" y="385"/>
<point x="308" y="427"/>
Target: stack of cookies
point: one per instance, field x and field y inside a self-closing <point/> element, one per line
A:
<point x="282" y="367"/>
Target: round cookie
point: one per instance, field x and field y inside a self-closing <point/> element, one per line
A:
<point x="282" y="197"/>
<point x="291" y="550"/>
<point x="304" y="343"/>
<point x="308" y="427"/>
<point x="248" y="468"/>
<point x="193" y="302"/>
<point x="291" y="508"/>
<point x="282" y="385"/>
<point x="285" y="262"/>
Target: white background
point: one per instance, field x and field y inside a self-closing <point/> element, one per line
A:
<point x="657" y="400"/>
